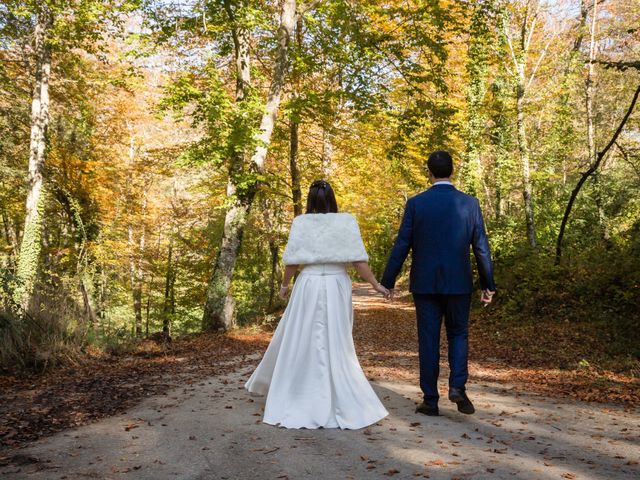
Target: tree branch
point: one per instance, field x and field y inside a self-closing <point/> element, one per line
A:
<point x="594" y="166"/>
<point x="527" y="41"/>
<point x="305" y="7"/>
<point x="622" y="66"/>
<point x="542" y="55"/>
<point x="507" y="35"/>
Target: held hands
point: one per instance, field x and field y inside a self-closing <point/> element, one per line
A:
<point x="284" y="292"/>
<point x="383" y="290"/>
<point x="486" y="296"/>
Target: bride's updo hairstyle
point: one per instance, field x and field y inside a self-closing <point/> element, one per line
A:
<point x="321" y="198"/>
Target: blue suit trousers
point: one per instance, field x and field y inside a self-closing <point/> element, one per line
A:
<point x="430" y="310"/>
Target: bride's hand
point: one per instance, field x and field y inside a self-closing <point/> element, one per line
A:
<point x="486" y="296"/>
<point x="383" y="290"/>
<point x="284" y="292"/>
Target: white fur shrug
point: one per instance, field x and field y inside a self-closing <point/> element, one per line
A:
<point x="324" y="238"/>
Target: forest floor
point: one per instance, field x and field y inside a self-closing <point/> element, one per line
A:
<point x="199" y="423"/>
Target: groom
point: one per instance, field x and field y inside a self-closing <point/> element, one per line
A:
<point x="439" y="225"/>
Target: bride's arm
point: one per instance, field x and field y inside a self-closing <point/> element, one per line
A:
<point x="289" y="272"/>
<point x="366" y="274"/>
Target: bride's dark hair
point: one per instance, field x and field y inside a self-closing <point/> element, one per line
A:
<point x="321" y="198"/>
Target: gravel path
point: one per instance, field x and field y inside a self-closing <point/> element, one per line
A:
<point x="212" y="430"/>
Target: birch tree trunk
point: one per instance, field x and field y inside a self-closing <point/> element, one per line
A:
<point x="219" y="302"/>
<point x="31" y="245"/>
<point x="520" y="60"/>
<point x="136" y="248"/>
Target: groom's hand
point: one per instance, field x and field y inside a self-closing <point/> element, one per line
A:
<point x="486" y="296"/>
<point x="392" y="293"/>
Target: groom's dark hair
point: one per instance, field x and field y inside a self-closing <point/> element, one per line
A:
<point x="440" y="164"/>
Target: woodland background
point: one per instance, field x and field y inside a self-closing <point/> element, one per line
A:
<point x="154" y="153"/>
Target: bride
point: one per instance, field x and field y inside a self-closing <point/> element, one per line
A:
<point x="310" y="372"/>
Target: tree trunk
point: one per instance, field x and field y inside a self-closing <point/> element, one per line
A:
<point x="476" y="68"/>
<point x="499" y="135"/>
<point x="584" y="12"/>
<point x="147" y="312"/>
<point x="170" y="278"/>
<point x="101" y="288"/>
<point x="137" y="291"/>
<point x="591" y="142"/>
<point x="136" y="249"/>
<point x="296" y="190"/>
<point x="285" y="33"/>
<point x="10" y="238"/>
<point x="327" y="152"/>
<point x="136" y="284"/>
<point x="31" y="245"/>
<point x="520" y="58"/>
<point x="219" y="302"/>
<point x="603" y="221"/>
<point x="89" y="311"/>
<point x="137" y="308"/>
<point x="523" y="145"/>
<point x="172" y="295"/>
<point x="219" y="306"/>
<point x="275" y="260"/>
<point x="273" y="250"/>
<point x="589" y="81"/>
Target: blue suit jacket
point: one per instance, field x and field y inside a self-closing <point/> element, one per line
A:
<point x="438" y="226"/>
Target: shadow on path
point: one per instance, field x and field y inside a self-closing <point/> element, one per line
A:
<point x="212" y="429"/>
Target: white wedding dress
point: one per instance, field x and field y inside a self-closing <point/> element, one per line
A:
<point x="310" y="372"/>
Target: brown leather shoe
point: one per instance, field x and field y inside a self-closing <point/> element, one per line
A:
<point x="459" y="397"/>
<point x="427" y="410"/>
